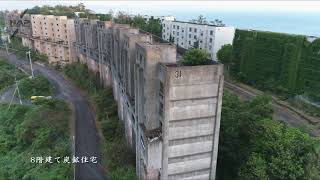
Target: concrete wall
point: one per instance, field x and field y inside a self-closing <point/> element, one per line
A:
<point x="54" y="36"/>
<point x="191" y="121"/>
<point x="181" y="143"/>
<point x="149" y="56"/>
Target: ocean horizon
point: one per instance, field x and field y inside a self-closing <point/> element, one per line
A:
<point x="283" y="22"/>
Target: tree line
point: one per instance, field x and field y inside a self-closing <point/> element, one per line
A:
<point x="254" y="146"/>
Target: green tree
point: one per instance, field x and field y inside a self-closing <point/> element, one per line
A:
<point x="139" y="22"/>
<point x="254" y="146"/>
<point x="123" y="18"/>
<point x="255" y="168"/>
<point x="225" y="54"/>
<point x="38" y="86"/>
<point x="200" y="20"/>
<point x="194" y="57"/>
<point x="154" y="26"/>
<point x="104" y="17"/>
<point x="60" y="10"/>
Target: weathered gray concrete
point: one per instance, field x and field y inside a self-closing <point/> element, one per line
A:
<point x="192" y="105"/>
<point x="171" y="113"/>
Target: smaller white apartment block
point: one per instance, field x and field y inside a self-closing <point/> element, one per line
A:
<point x="188" y="35"/>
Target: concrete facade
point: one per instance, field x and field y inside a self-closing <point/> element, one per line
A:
<point x="51" y="35"/>
<point x="188" y="35"/>
<point x="189" y="107"/>
<point x="54" y="36"/>
<point x="171" y="112"/>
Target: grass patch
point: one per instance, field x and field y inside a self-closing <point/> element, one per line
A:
<point x="31" y="131"/>
<point x="118" y="157"/>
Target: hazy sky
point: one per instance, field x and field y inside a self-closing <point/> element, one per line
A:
<point x="296" y="17"/>
<point x="171" y="7"/>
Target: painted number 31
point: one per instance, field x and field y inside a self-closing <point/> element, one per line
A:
<point x="178" y="74"/>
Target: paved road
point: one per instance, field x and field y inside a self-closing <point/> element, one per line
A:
<point x="280" y="113"/>
<point x="86" y="137"/>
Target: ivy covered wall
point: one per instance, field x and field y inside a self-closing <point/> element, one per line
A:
<point x="282" y="63"/>
<point x="310" y="70"/>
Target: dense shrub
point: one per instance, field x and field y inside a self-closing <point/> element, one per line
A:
<point x="38" y="86"/>
<point x="254" y="146"/>
<point x="80" y="74"/>
<point x="8" y="73"/>
<point x="194" y="57"/>
<point x="30" y="131"/>
<point x="225" y="54"/>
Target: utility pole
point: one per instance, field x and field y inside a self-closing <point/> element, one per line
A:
<point x="17" y="84"/>
<point x="14" y="93"/>
<point x="29" y="56"/>
<point x="74" y="155"/>
<point x="6" y="48"/>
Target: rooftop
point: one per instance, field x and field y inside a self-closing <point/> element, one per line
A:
<point x="179" y="64"/>
<point x="199" y="23"/>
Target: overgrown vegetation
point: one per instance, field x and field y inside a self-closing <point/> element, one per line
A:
<point x="152" y="26"/>
<point x="118" y="157"/>
<point x="194" y="57"/>
<point x="34" y="131"/>
<point x="310" y="109"/>
<point x="8" y="73"/>
<point x="282" y="63"/>
<point x="203" y="20"/>
<point x="253" y="146"/>
<point x="58" y="10"/>
<point x="38" y="86"/>
<point x="101" y="17"/>
<point x="225" y="54"/>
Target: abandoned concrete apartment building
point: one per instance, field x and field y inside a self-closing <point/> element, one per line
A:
<point x="50" y="35"/>
<point x="171" y="112"/>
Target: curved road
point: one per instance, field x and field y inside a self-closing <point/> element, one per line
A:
<point x="87" y="143"/>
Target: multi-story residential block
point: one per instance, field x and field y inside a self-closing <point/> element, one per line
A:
<point x="51" y="35"/>
<point x="54" y="36"/>
<point x="19" y="24"/>
<point x="171" y="112"/>
<point x="203" y="36"/>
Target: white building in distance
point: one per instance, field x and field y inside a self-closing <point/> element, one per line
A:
<point x="204" y="36"/>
